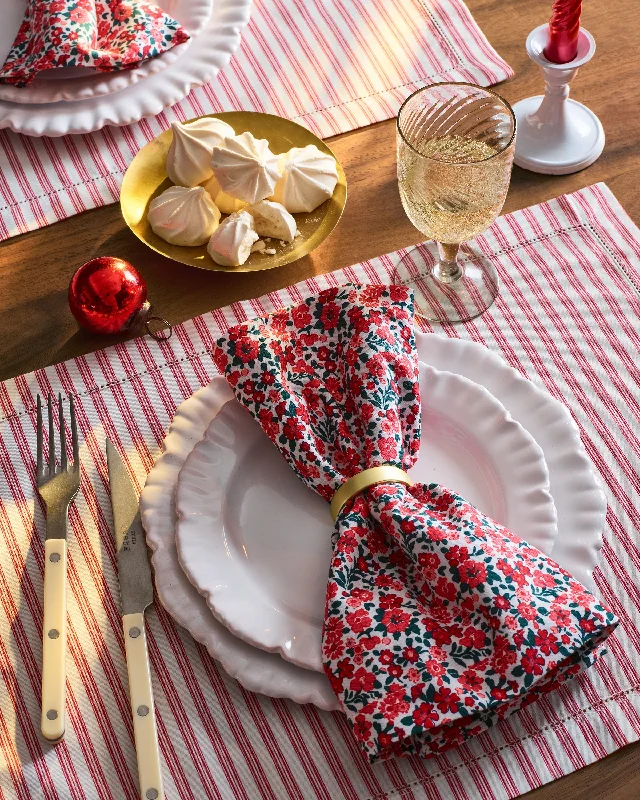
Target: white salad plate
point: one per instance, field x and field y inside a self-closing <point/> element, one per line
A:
<point x="201" y="61"/>
<point x="81" y="83"/>
<point x="575" y="489"/>
<point x="256" y="541"/>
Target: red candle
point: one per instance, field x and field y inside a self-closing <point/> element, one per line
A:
<point x="564" y="27"/>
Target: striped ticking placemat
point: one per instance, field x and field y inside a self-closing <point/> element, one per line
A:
<point x="331" y="65"/>
<point x="568" y="317"/>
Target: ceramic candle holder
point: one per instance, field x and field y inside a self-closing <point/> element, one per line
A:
<point x="556" y="135"/>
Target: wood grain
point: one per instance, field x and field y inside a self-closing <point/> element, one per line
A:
<point x="36" y="268"/>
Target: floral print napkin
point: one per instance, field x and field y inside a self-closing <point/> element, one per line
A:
<point x="108" y="35"/>
<point x="438" y="621"/>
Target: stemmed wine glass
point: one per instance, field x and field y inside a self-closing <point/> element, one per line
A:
<point x="455" y="152"/>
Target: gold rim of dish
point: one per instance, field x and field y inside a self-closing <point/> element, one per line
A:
<point x="146" y="178"/>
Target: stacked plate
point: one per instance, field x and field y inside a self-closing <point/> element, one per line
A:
<point x="242" y="547"/>
<point x="81" y="100"/>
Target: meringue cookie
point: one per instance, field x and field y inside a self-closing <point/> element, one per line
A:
<point x="273" y="219"/>
<point x="230" y="245"/>
<point x="189" y="156"/>
<point x="309" y="177"/>
<point x="245" y="167"/>
<point x="183" y="216"/>
<point x="224" y="201"/>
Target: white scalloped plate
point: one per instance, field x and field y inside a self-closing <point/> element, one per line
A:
<point x="547" y="420"/>
<point x="256" y="542"/>
<point x="208" y="53"/>
<point x="81" y="83"/>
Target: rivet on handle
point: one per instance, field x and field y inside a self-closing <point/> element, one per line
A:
<point x="52" y="714"/>
<point x="53" y="633"/>
<point x="151" y="794"/>
<point x="54" y="557"/>
<point x="142" y="711"/>
<point x="134" y="632"/>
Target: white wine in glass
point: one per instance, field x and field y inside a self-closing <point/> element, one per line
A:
<point x="455" y="152"/>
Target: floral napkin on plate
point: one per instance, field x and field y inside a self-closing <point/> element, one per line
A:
<point x="108" y="35"/>
<point x="438" y="621"/>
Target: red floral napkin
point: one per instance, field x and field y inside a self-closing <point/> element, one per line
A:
<point x="438" y="621"/>
<point x="108" y="35"/>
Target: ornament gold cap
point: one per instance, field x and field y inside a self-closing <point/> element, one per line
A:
<point x="144" y="317"/>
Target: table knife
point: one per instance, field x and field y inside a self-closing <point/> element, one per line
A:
<point x="136" y="593"/>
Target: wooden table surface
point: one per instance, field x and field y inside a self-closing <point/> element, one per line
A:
<point x="38" y="329"/>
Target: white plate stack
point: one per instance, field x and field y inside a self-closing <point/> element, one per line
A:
<point x="242" y="547"/>
<point x="81" y="100"/>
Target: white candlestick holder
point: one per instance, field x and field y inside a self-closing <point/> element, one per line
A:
<point x="556" y="135"/>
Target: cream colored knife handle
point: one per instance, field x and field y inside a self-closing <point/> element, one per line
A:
<point x="144" y="715"/>
<point x="54" y="639"/>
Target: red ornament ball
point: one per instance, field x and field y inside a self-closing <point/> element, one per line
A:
<point x="107" y="294"/>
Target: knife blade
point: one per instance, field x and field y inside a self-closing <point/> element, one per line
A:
<point x="136" y="593"/>
<point x="134" y="569"/>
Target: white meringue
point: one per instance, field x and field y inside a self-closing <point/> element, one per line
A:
<point x="189" y="156"/>
<point x="309" y="177"/>
<point x="184" y="216"/>
<point x="230" y="245"/>
<point x="245" y="167"/>
<point x="273" y="219"/>
<point x="224" y="201"/>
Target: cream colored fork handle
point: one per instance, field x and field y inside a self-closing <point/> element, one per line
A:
<point x="54" y="639"/>
<point x="144" y="716"/>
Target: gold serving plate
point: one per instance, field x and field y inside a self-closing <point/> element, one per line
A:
<point x="146" y="178"/>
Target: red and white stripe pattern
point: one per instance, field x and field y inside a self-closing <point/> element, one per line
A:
<point x="331" y="65"/>
<point x="568" y="317"/>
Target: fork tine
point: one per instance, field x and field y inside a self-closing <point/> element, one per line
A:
<point x="39" y="438"/>
<point x="74" y="433"/>
<point x="63" y="435"/>
<point x="52" y="444"/>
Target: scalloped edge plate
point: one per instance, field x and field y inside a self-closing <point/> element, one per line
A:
<point x="267" y="673"/>
<point x="199" y="63"/>
<point x="255" y="541"/>
<point x="80" y="83"/>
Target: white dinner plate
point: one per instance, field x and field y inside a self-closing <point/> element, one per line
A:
<point x="580" y="513"/>
<point x="256" y="541"/>
<point x="208" y="53"/>
<point x="81" y="83"/>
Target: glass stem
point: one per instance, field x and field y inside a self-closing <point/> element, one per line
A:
<point x="447" y="270"/>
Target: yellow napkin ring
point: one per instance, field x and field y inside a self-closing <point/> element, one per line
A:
<point x="363" y="480"/>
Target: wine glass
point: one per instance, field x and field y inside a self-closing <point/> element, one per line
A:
<point x="455" y="152"/>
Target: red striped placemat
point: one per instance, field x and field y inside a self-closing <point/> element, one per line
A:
<point x="568" y="317"/>
<point x="332" y="65"/>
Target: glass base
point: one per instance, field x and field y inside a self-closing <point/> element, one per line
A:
<point x="458" y="301"/>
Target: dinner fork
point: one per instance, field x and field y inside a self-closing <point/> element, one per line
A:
<point x="57" y="486"/>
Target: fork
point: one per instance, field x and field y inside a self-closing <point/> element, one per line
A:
<point x="57" y="486"/>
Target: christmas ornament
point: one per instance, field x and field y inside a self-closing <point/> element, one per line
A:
<point x="108" y="295"/>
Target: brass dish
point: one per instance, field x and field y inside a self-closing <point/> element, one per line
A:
<point x="146" y="178"/>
